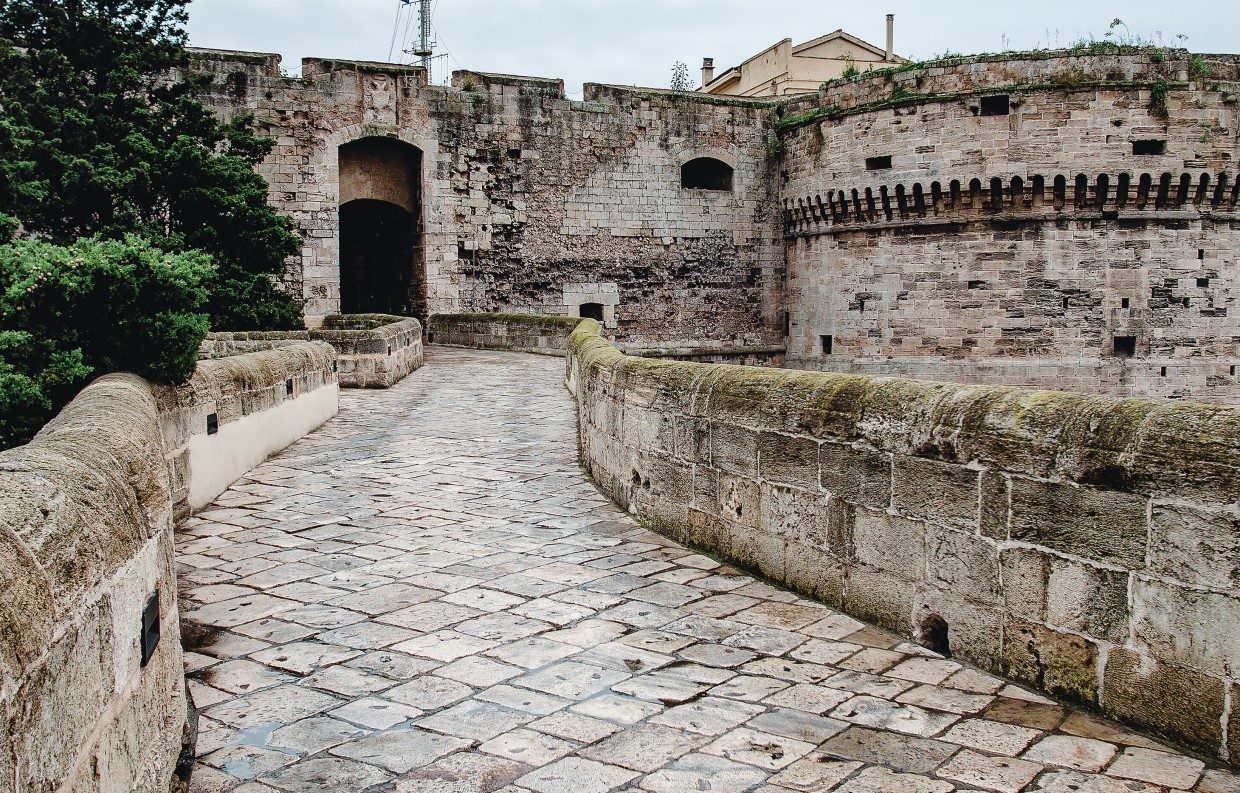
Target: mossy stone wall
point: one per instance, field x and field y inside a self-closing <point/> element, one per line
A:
<point x="1085" y="545"/>
<point x="521" y="332"/>
<point x="372" y="350"/>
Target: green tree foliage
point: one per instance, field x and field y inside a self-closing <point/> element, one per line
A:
<point x="97" y="140"/>
<point x="97" y="306"/>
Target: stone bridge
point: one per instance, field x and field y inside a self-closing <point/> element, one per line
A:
<point x="427" y="594"/>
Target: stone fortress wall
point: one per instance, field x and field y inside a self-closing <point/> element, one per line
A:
<point x="1063" y="219"/>
<point x="531" y="202"/>
<point x="1083" y="545"/>
<point x="1006" y="219"/>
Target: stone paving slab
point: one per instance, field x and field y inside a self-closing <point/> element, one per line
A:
<point x="426" y="594"/>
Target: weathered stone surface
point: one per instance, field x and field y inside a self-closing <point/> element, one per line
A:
<point x="901" y="752"/>
<point x="858" y="476"/>
<point x="889" y="543"/>
<point x="788" y="460"/>
<point x="1060" y="663"/>
<point x="1088" y="600"/>
<point x="877" y="597"/>
<point x="87" y="513"/>
<point x="1197" y="546"/>
<point x="1197" y="629"/>
<point x="1164" y="698"/>
<point x="1061" y="525"/>
<point x="935" y="491"/>
<point x="963" y="564"/>
<point x="733" y="449"/>
<point x="1024" y="572"/>
<point x="1104" y="525"/>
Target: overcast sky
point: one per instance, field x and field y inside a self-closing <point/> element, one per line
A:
<point x="636" y="42"/>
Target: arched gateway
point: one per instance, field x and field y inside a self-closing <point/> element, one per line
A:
<point x="381" y="264"/>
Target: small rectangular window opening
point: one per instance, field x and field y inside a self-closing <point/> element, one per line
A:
<point x="996" y="105"/>
<point x="592" y="311"/>
<point x="150" y="628"/>
<point x="861" y="305"/>
<point x="878" y="163"/>
<point x="1124" y="303"/>
<point x="1125" y="346"/>
<point x="1162" y="372"/>
<point x="288" y="387"/>
<point x="1065" y="302"/>
<point x="213" y="423"/>
<point x="981" y="285"/>
<point x="828" y="343"/>
<point x="1203" y="283"/>
<point x="1144" y="147"/>
<point x="1201" y="253"/>
<point x="1233" y="371"/>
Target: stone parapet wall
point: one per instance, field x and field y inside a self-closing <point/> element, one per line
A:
<point x="87" y="511"/>
<point x="1085" y="545"/>
<point x="746" y="356"/>
<point x="85" y="540"/>
<point x="520" y="332"/>
<point x="236" y="411"/>
<point x="373" y="350"/>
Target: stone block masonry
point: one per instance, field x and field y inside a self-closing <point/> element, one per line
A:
<point x="1084" y="545"/>
<point x="1055" y="220"/>
<point x="521" y="332"/>
<point x="372" y="350"/>
<point x="85" y="541"/>
<point x="92" y="681"/>
<point x="236" y="411"/>
<point x="531" y="202"/>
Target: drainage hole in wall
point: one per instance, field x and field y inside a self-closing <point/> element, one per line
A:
<point x="932" y="634"/>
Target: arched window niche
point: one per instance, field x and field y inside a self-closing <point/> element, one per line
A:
<point x="706" y="173"/>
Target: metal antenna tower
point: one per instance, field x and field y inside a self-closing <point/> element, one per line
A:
<point x="425" y="47"/>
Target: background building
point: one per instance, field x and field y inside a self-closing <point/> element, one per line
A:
<point x="783" y="68"/>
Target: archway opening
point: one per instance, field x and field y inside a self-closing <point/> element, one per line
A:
<point x="382" y="269"/>
<point x="706" y="173"/>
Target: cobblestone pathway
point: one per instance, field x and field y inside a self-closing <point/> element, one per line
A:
<point x="427" y="595"/>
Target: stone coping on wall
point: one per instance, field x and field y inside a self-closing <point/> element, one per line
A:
<point x="949" y="79"/>
<point x="87" y="571"/>
<point x="373" y="350"/>
<point x="85" y="542"/>
<point x="1085" y="545"/>
<point x="236" y="411"/>
<point x="522" y="332"/>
